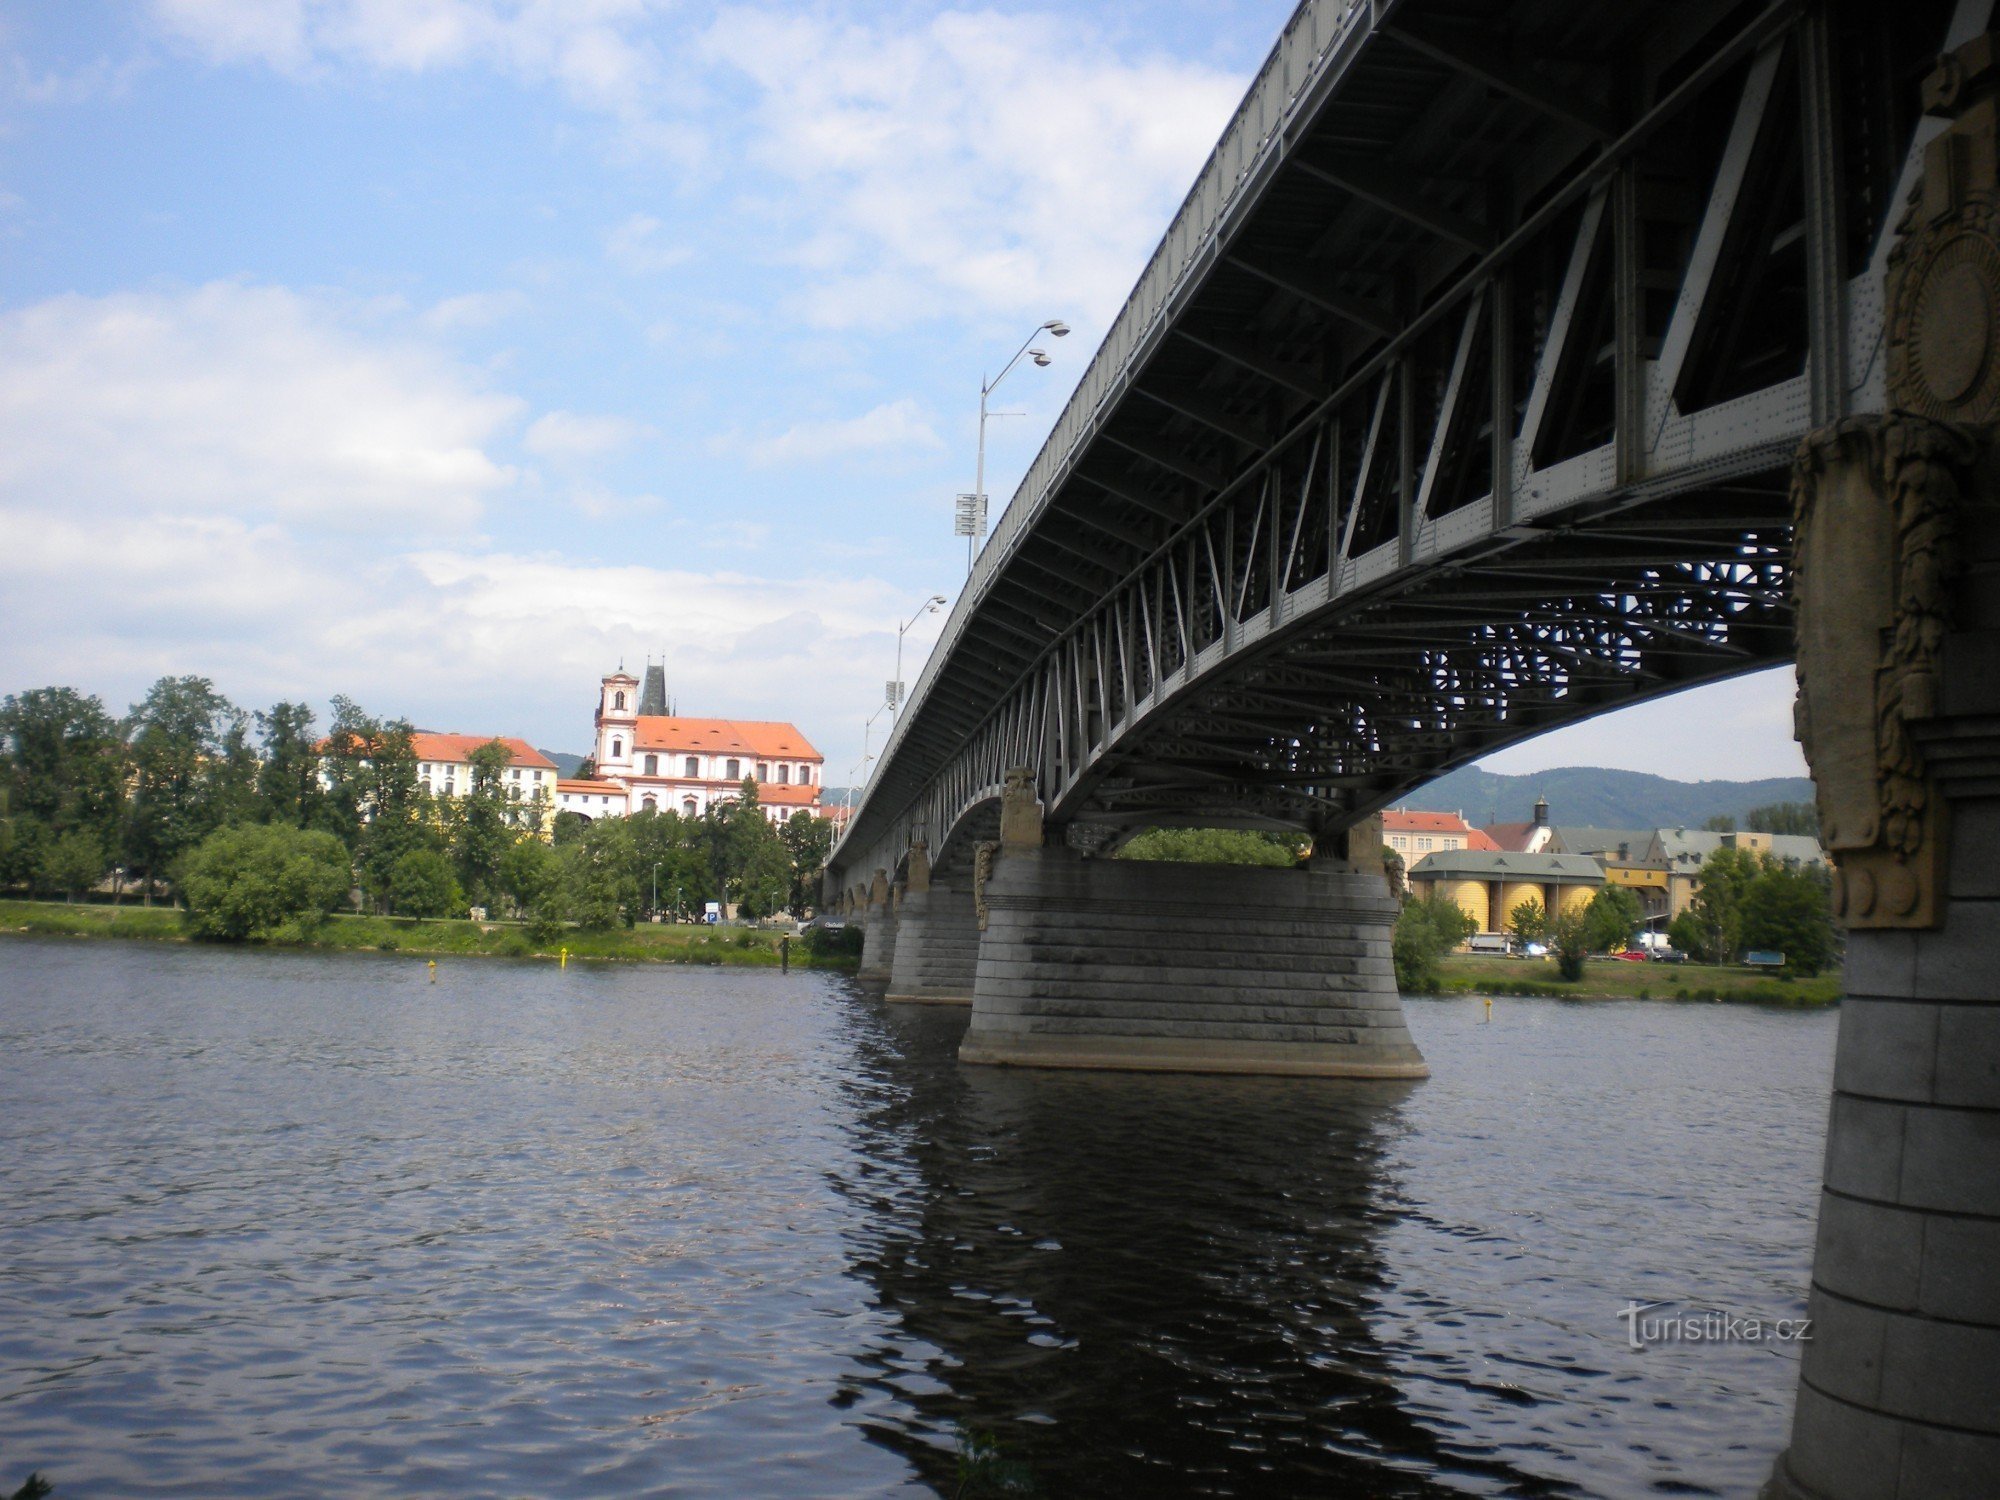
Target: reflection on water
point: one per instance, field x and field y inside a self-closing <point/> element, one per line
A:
<point x="283" y="1224"/>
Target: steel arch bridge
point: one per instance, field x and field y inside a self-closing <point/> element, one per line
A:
<point x="1456" y="404"/>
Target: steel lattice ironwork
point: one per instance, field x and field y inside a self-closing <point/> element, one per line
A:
<point x="1457" y="404"/>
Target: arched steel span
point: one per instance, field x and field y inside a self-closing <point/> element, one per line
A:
<point x="1456" y="404"/>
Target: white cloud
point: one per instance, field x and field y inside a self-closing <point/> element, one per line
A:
<point x="474" y="310"/>
<point x="237" y="399"/>
<point x="1002" y="162"/>
<point x="248" y="483"/>
<point x="635" y="247"/>
<point x="888" y="428"/>
<point x="563" y="434"/>
<point x="595" y="51"/>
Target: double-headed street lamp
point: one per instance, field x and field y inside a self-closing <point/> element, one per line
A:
<point x="972" y="508"/>
<point x="931" y="606"/>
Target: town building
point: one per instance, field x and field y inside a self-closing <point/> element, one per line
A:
<point x="1415" y="834"/>
<point x="1488" y="884"/>
<point x="1524" y="838"/>
<point x="1681" y="852"/>
<point x="444" y="766"/>
<point x="646" y="757"/>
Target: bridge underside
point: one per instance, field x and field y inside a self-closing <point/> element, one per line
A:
<point x="1457" y="405"/>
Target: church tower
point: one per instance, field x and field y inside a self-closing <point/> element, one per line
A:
<point x="653" y="697"/>
<point x="617" y="720"/>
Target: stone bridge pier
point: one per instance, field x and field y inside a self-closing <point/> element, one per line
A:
<point x="1898" y="587"/>
<point x="937" y="936"/>
<point x="878" y="930"/>
<point x="1100" y="963"/>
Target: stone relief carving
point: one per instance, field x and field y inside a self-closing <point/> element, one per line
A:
<point x="1020" y="810"/>
<point x="982" y="871"/>
<point x="1877" y="503"/>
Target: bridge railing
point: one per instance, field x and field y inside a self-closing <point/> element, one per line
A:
<point x="1298" y="61"/>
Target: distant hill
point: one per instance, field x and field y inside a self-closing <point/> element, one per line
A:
<point x="566" y="763"/>
<point x="1594" y="797"/>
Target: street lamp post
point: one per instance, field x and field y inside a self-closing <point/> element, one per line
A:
<point x="931" y="606"/>
<point x="975" y="519"/>
<point x="656" y="893"/>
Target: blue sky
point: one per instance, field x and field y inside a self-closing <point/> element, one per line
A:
<point x="445" y="352"/>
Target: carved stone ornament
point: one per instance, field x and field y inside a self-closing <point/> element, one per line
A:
<point x="1875" y="503"/>
<point x="982" y="871"/>
<point x="1020" y="811"/>
<point x="1943" y="288"/>
<point x="919" y="877"/>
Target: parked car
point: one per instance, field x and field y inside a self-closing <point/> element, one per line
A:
<point x="1632" y="955"/>
<point x="1667" y="955"/>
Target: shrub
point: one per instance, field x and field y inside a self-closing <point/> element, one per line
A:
<point x="1570" y="940"/>
<point x="245" y="883"/>
<point x="833" y="942"/>
<point x="1426" y="930"/>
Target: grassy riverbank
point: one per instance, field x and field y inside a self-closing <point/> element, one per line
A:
<point x="1614" y="979"/>
<point x="649" y="943"/>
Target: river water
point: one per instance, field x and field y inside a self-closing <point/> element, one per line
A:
<point x="285" y="1224"/>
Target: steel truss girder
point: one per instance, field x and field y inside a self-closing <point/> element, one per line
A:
<point x="1334" y="552"/>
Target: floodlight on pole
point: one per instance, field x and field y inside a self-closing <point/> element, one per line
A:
<point x="970" y="518"/>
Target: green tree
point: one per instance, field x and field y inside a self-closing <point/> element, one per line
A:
<point x="746" y="858"/>
<point x="528" y="872"/>
<point x="189" y="756"/>
<point x="1717" y="907"/>
<point x="1687" y="935"/>
<point x="1426" y="929"/>
<point x="62" y="760"/>
<point x="1569" y="941"/>
<point x="595" y="887"/>
<point x="73" y="862"/>
<point x="483" y="821"/>
<point x="422" y="883"/>
<point x="1790" y="911"/>
<point x="1215" y="846"/>
<point x="1784" y="817"/>
<point x="669" y="856"/>
<point x="1611" y="918"/>
<point x="256" y="881"/>
<point x="808" y="840"/>
<point x="288" y="781"/>
<point x="1528" y="921"/>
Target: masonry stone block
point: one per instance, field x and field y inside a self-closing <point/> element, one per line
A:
<point x="937" y="947"/>
<point x="1116" y="964"/>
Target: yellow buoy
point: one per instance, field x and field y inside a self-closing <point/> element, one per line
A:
<point x="432" y="965"/>
<point x="565" y="958"/>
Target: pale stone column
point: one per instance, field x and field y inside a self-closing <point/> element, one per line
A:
<point x="1898" y="558"/>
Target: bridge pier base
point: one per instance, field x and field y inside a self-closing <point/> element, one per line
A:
<point x="1154" y="967"/>
<point x="878" y="933"/>
<point x="937" y="948"/>
<point x="1897" y="559"/>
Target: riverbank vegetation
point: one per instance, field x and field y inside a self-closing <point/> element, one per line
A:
<point x="654" y="942"/>
<point x="1608" y="979"/>
<point x="263" y="828"/>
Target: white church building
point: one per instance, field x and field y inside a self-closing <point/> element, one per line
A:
<point x="647" y="757"/>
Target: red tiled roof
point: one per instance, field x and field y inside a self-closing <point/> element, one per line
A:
<point x="459" y="748"/>
<point x="1402" y="820"/>
<point x="1479" y="839"/>
<point x="767" y="738"/>
<point x="1510" y="838"/>
<point x="581" y="784"/>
